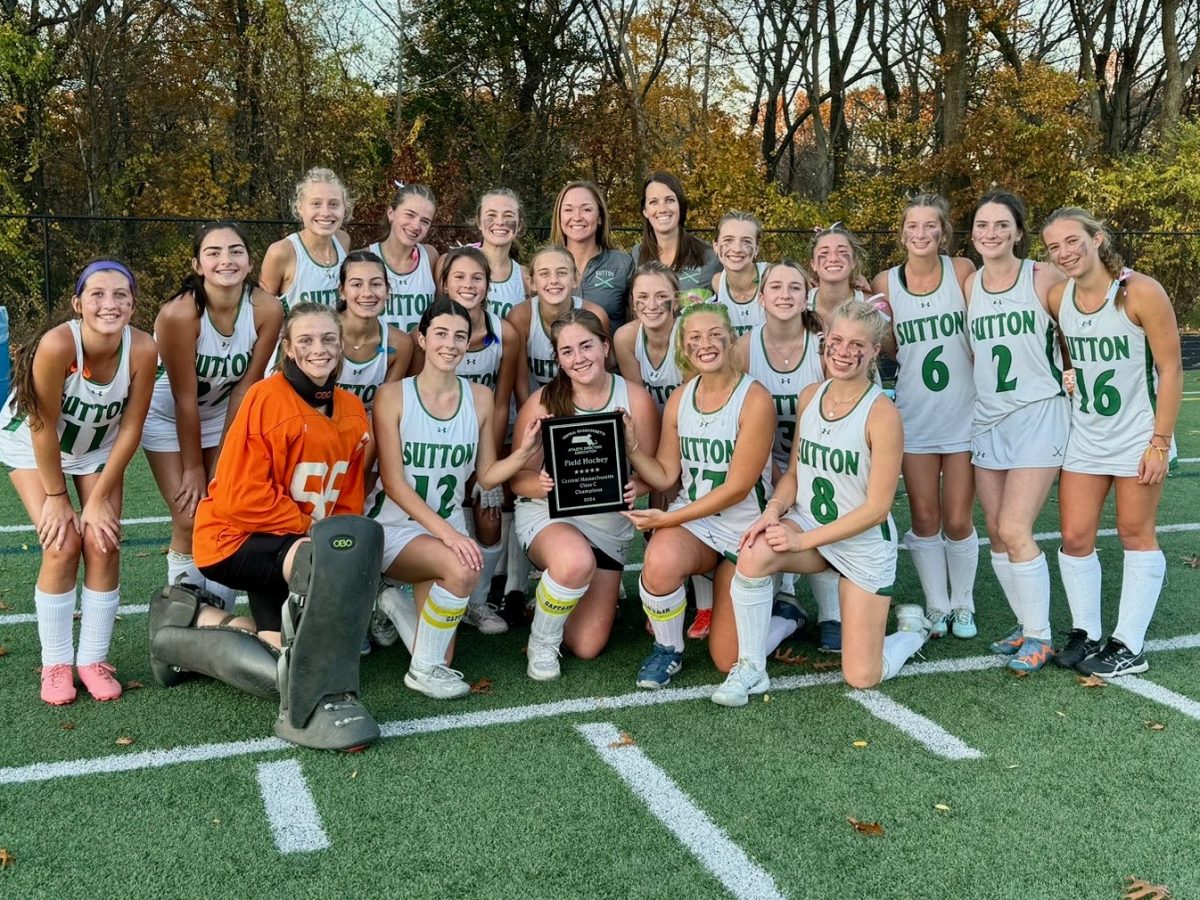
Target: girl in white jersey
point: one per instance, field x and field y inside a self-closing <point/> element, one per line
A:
<point x="832" y="508"/>
<point x="736" y="286"/>
<point x="494" y="360"/>
<point x="1123" y="342"/>
<point x="303" y="267"/>
<point x="645" y="348"/>
<point x="582" y="557"/>
<point x="935" y="393"/>
<point x="717" y="434"/>
<point x="553" y="272"/>
<point x="375" y="352"/>
<point x="80" y="394"/>
<point x="501" y="223"/>
<point x="214" y="341"/>
<point x="783" y="356"/>
<point x="434" y="430"/>
<point x="1020" y="425"/>
<point x="410" y="263"/>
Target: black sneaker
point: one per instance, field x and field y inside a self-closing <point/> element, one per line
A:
<point x="1077" y="648"/>
<point x="1114" y="661"/>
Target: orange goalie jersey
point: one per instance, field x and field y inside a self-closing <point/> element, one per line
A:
<point x="282" y="465"/>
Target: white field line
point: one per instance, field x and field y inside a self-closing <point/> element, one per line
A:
<point x="922" y="730"/>
<point x="511" y="715"/>
<point x="145" y="520"/>
<point x="1158" y="694"/>
<point x="667" y="802"/>
<point x="291" y="809"/>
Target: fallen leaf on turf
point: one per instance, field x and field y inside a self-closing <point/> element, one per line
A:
<point x="873" y="828"/>
<point x="67" y="726"/>
<point x="24" y="546"/>
<point x="941" y="807"/>
<point x="1059" y="712"/>
<point x="1137" y="889"/>
<point x="354" y="774"/>
<point x="1013" y="766"/>
<point x="1155" y="726"/>
<point x="3" y="650"/>
<point x="766" y="698"/>
<point x="625" y="740"/>
<point x="4" y="607"/>
<point x="216" y="822"/>
<point x="6" y="859"/>
<point x="826" y="665"/>
<point x="1092" y="681"/>
<point x="482" y="686"/>
<point x="787" y="657"/>
<point x="125" y="741"/>
<point x="132" y="685"/>
<point x="859" y="744"/>
<point x="1192" y="562"/>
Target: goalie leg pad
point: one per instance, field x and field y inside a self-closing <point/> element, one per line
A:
<point x="176" y="606"/>
<point x="227" y="654"/>
<point x="333" y="584"/>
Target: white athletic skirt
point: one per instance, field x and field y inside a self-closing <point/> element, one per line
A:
<point x="611" y="533"/>
<point x="1032" y="437"/>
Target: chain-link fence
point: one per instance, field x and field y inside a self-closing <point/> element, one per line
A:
<point x="39" y="256"/>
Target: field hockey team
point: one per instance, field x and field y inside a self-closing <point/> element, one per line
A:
<point x="413" y="388"/>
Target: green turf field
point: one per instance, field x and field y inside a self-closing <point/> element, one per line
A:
<point x="986" y="785"/>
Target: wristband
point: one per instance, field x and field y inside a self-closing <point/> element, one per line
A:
<point x="58" y="494"/>
<point x="782" y="507"/>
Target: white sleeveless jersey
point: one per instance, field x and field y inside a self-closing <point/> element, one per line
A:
<point x="833" y="466"/>
<point x="313" y="282"/>
<point x="504" y="295"/>
<point x="935" y="388"/>
<point x="744" y="316"/>
<point x="1112" y="407"/>
<point x="706" y="442"/>
<point x="1017" y="359"/>
<point x="439" y="455"/>
<point x="88" y="420"/>
<point x="483" y="365"/>
<point x="785" y="387"/>
<point x="408" y="295"/>
<point x="661" y="379"/>
<point x="539" y="351"/>
<point x="221" y="361"/>
<point x="363" y="379"/>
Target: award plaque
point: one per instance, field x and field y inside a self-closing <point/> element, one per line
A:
<point x="585" y="455"/>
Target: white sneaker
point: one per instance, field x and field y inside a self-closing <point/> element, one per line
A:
<point x="484" y="617"/>
<point x="440" y="682"/>
<point x="398" y="605"/>
<point x="743" y="679"/>
<point x="543" y="660"/>
<point x="910" y="617"/>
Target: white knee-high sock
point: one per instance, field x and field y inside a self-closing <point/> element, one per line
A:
<point x="897" y="648"/>
<point x="1003" y="569"/>
<point x="702" y="588"/>
<point x="962" y="564"/>
<point x="929" y="559"/>
<point x="554" y="603"/>
<point x="787" y="583"/>
<point x="55" y="618"/>
<point x="439" y="619"/>
<point x="752" y="599"/>
<point x="666" y="615"/>
<point x="404" y="614"/>
<point x="99" y="612"/>
<point x="183" y="564"/>
<point x="491" y="556"/>
<point x="824" y="586"/>
<point x="1141" y="583"/>
<point x="1032" y="582"/>
<point x="779" y="630"/>
<point x="1081" y="581"/>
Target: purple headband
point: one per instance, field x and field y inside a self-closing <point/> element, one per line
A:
<point x="103" y="265"/>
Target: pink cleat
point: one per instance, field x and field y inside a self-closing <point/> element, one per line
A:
<point x="58" y="684"/>
<point x="98" y="679"/>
